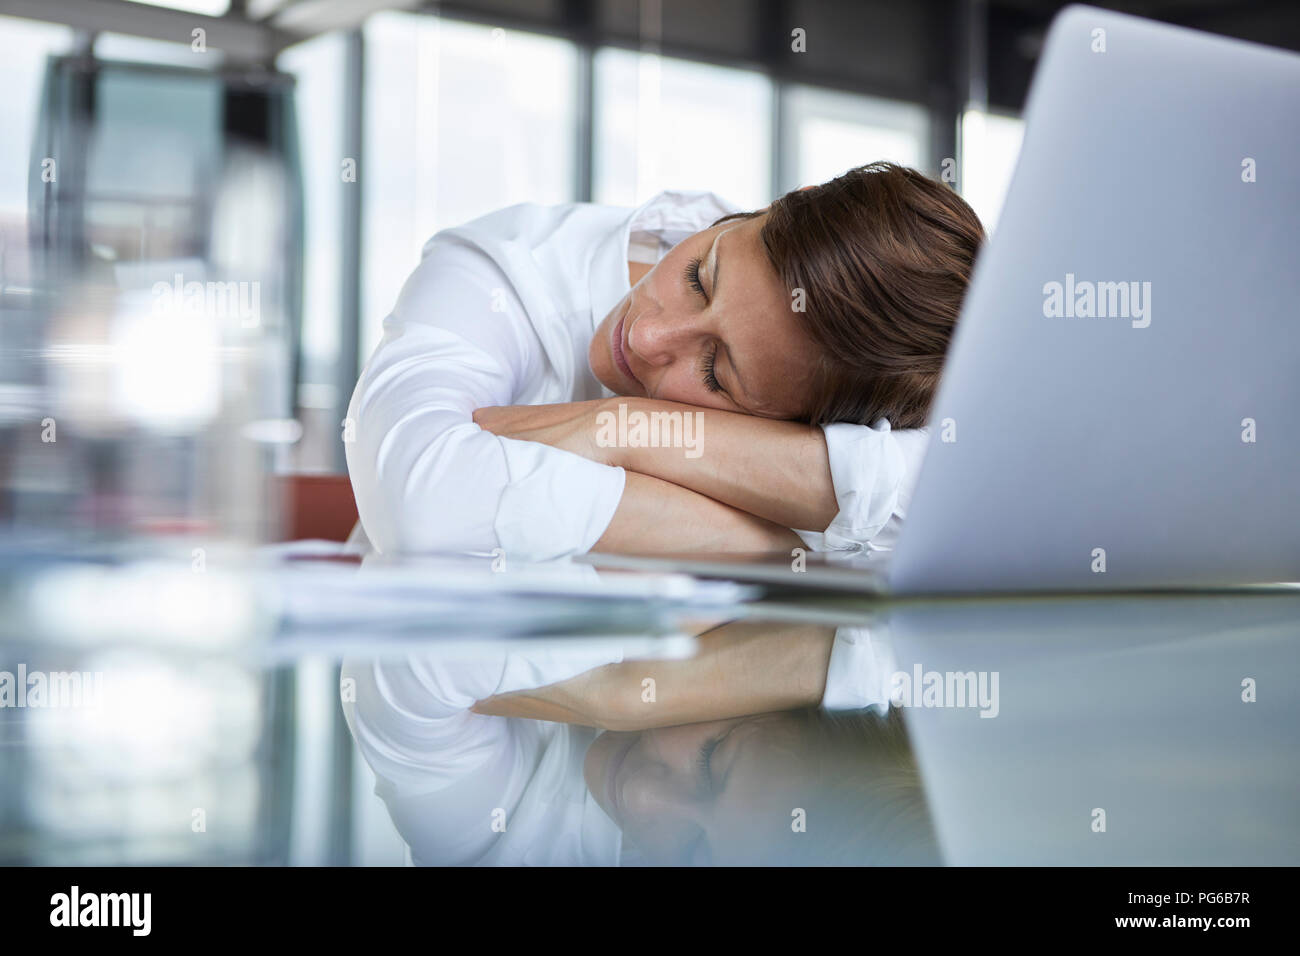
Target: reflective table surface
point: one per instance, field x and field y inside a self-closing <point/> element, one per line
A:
<point x="308" y="712"/>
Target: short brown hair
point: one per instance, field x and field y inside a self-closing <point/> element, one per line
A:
<point x="883" y="255"/>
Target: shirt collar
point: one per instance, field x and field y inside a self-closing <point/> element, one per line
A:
<point x="673" y="213"/>
<point x="608" y="276"/>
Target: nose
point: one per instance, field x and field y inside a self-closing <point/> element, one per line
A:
<point x="658" y="336"/>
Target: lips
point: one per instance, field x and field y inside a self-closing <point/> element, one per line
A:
<point x="617" y="348"/>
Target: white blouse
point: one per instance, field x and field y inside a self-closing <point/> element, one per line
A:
<point x="500" y="311"/>
<point x="467" y="789"/>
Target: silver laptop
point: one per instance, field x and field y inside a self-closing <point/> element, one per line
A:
<point x="1121" y="404"/>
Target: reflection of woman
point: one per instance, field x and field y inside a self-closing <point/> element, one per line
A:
<point x="810" y="334"/>
<point x="802" y="787"/>
<point x="724" y="760"/>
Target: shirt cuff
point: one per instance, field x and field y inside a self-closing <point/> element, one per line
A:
<point x="867" y="470"/>
<point x="556" y="504"/>
<point x="861" y="670"/>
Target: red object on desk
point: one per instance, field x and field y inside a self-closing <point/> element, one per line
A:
<point x="318" y="507"/>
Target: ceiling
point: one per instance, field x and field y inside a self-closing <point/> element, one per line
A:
<point x="925" y="51"/>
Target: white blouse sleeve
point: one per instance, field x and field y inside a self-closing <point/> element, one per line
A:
<point x="426" y="477"/>
<point x="441" y="769"/>
<point x="873" y="470"/>
<point x="861" y="670"/>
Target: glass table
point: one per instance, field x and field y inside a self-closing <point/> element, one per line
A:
<point x="442" y="712"/>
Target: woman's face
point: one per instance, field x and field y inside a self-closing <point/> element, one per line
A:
<point x="714" y="792"/>
<point x="710" y="325"/>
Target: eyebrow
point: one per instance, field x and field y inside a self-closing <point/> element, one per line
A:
<point x="713" y="252"/>
<point x="715" y="272"/>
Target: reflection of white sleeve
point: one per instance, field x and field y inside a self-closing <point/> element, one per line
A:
<point x="873" y="470"/>
<point x="861" y="670"/>
<point x="444" y="771"/>
<point x="426" y="477"/>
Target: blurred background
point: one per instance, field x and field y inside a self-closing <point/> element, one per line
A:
<point x="268" y="170"/>
<point x="370" y="124"/>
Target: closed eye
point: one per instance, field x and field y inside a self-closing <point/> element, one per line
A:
<point x="708" y="368"/>
<point x="704" y="763"/>
<point x="692" y="276"/>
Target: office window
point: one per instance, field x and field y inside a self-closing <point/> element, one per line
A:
<point x="133" y="49"/>
<point x="460" y="119"/>
<point x="664" y="123"/>
<point x="152" y="154"/>
<point x="319" y="67"/>
<point x="828" y="132"/>
<point x="990" y="145"/>
<point x="212" y="8"/>
<point x="24" y="47"/>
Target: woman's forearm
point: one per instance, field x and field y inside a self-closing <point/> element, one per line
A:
<point x="741" y="668"/>
<point x="656" y="516"/>
<point x="778" y="470"/>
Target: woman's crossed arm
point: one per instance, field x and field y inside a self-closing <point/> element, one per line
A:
<point x="721" y="481"/>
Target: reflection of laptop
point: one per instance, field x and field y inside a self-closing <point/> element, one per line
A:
<point x="1127" y="708"/>
<point x="851" y="571"/>
<point x="1122" y="398"/>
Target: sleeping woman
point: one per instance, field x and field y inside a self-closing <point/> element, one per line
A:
<point x="679" y="377"/>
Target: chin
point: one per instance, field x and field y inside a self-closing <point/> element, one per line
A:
<point x="605" y="382"/>
<point x="601" y="364"/>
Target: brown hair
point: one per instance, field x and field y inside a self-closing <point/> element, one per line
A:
<point x="860" y="787"/>
<point x="883" y="256"/>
